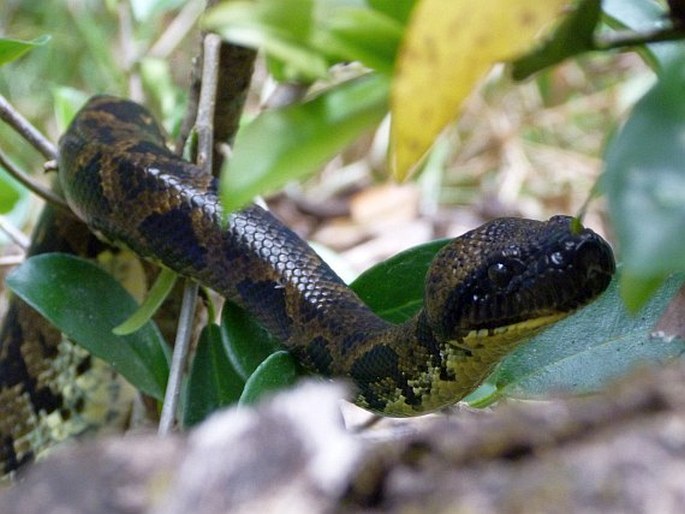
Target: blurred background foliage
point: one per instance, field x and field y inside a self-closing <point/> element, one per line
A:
<point x="532" y="148"/>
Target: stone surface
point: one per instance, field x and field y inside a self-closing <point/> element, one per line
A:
<point x="622" y="451"/>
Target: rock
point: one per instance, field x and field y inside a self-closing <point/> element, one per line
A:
<point x="621" y="451"/>
<point x="291" y="454"/>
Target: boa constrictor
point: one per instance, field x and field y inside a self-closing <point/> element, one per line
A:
<point x="485" y="292"/>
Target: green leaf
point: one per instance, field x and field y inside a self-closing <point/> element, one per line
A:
<point x="393" y="289"/>
<point x="583" y="352"/>
<point x="283" y="33"/>
<point x="212" y="381"/>
<point x="359" y="34"/>
<point x="637" y="289"/>
<point x="247" y="344"/>
<point x="645" y="184"/>
<point x="304" y="40"/>
<point x="85" y="303"/>
<point x="398" y="9"/>
<point x="286" y="144"/>
<point x="574" y="35"/>
<point x="643" y="16"/>
<point x="278" y="371"/>
<point x="154" y="299"/>
<point x="11" y="49"/>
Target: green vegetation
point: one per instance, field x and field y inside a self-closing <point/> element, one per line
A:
<point x="643" y="180"/>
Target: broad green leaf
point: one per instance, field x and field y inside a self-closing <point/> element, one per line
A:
<point x="643" y="16"/>
<point x="645" y="184"/>
<point x="393" y="289"/>
<point x="283" y="33"/>
<point x="154" y="299"/>
<point x="277" y="372"/>
<point x="11" y="49"/>
<point x="85" y="303"/>
<point x="358" y="34"/>
<point x="583" y="352"/>
<point x="574" y="35"/>
<point x="212" y="380"/>
<point x="247" y="344"/>
<point x="448" y="47"/>
<point x="303" y="40"/>
<point x="286" y="144"/>
<point x="398" y="9"/>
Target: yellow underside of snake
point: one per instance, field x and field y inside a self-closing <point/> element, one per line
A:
<point x="485" y="292"/>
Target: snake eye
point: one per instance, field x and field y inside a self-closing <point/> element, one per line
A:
<point x="500" y="274"/>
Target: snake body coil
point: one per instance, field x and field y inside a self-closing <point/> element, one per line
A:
<point x="485" y="292"/>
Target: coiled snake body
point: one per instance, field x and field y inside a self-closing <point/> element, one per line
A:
<point x="485" y="291"/>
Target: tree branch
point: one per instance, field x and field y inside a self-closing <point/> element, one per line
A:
<point x="203" y="123"/>
<point x="236" y="65"/>
<point x="10" y="116"/>
<point x="628" y="38"/>
<point x="32" y="185"/>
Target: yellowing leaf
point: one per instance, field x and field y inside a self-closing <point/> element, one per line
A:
<point x="448" y="47"/>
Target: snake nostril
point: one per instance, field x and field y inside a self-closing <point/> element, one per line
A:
<point x="594" y="260"/>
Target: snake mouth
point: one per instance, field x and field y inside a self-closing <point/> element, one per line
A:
<point x="476" y="340"/>
<point x="534" y="270"/>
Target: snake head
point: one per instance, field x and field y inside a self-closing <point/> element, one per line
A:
<point x="514" y="271"/>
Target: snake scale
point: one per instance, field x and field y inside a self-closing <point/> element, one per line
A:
<point x="485" y="292"/>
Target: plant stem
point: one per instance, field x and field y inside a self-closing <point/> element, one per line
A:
<point x="629" y="38"/>
<point x="205" y="114"/>
<point x="27" y="131"/>
<point x="47" y="194"/>
<point x="178" y="359"/>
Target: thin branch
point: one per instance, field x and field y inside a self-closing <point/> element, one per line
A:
<point x="177" y="30"/>
<point x="205" y="114"/>
<point x="47" y="194"/>
<point x="191" y="105"/>
<point x="11" y="260"/>
<point x="178" y="359"/>
<point x="14" y="233"/>
<point x="10" y="116"/>
<point x="629" y="38"/>
<point x="286" y="94"/>
<point x="236" y="66"/>
<point x="127" y="45"/>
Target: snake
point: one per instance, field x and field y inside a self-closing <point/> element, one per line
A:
<point x="485" y="292"/>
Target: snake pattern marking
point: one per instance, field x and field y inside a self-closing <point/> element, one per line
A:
<point x="52" y="390"/>
<point x="485" y="292"/>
